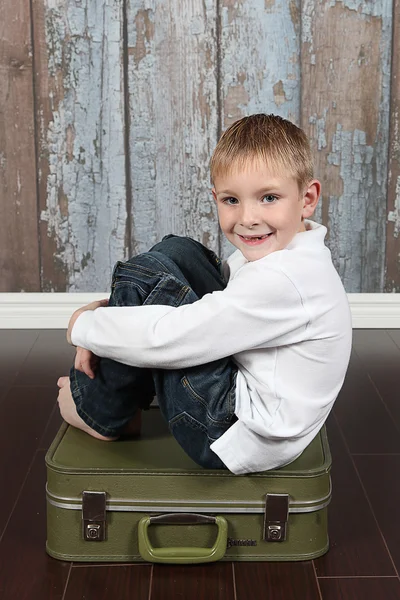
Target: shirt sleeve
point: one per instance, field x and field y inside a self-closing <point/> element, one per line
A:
<point x="258" y="444"/>
<point x="245" y="315"/>
<point x="263" y="452"/>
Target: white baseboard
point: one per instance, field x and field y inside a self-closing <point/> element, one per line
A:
<point x="52" y="311"/>
<point x="41" y="310"/>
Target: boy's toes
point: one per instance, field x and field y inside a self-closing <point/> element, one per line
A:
<point x="62" y="381"/>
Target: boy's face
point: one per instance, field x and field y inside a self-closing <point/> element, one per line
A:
<point x="259" y="211"/>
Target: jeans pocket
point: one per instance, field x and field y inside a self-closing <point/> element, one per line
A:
<point x="189" y="432"/>
<point x="192" y="392"/>
<point x="195" y="439"/>
<point x="212" y="393"/>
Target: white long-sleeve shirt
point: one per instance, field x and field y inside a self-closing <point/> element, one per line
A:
<point x="286" y="322"/>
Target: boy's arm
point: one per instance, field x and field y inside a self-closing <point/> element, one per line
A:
<point x="92" y="306"/>
<point x="218" y="325"/>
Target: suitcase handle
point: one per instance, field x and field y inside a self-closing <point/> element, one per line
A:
<point x="182" y="555"/>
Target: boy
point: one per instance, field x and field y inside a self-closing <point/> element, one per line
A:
<point x="246" y="358"/>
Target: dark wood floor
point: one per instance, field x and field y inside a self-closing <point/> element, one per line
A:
<point x="364" y="431"/>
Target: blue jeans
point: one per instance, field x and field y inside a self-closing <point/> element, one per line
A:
<point x="197" y="402"/>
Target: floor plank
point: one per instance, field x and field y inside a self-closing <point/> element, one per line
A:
<point x="15" y="346"/>
<point x="362" y="416"/>
<point x="356" y="545"/>
<point x="125" y="582"/>
<point x="50" y="358"/>
<point x="370" y="588"/>
<point x="395" y="335"/>
<point x="276" y="581"/>
<point x="381" y="358"/>
<point x="53" y="425"/>
<point x="23" y="416"/>
<point x="380" y="477"/>
<point x="26" y="572"/>
<point x="205" y="582"/>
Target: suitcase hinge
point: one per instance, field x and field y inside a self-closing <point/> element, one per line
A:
<point x="276" y="517"/>
<point x="94" y="516"/>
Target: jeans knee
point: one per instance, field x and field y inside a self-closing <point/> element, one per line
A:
<point x="175" y="246"/>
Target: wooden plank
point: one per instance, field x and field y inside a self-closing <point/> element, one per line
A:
<point x="24" y="414"/>
<point x="173" y="119"/>
<point x="346" y="48"/>
<point x="362" y="416"/>
<point x="26" y="572"/>
<point x="381" y="358"/>
<point x="52" y="427"/>
<point x="50" y="358"/>
<point x="378" y="588"/>
<point x="205" y="582"/>
<point x="260" y="68"/>
<point x="122" y="582"/>
<point x="395" y="335"/>
<point x="378" y="474"/>
<point x="81" y="142"/>
<point x="276" y="581"/>
<point x="15" y="346"/>
<point x="392" y="279"/>
<point x="19" y="243"/>
<point x="356" y="545"/>
<point x="260" y="65"/>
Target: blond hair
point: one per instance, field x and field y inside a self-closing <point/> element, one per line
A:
<point x="278" y="143"/>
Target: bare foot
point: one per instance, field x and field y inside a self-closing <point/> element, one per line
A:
<point x="68" y="411"/>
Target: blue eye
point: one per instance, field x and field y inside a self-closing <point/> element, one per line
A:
<point x="269" y="199"/>
<point x="231" y="201"/>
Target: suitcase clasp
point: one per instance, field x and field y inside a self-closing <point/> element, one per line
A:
<point x="276" y="517"/>
<point x="94" y="516"/>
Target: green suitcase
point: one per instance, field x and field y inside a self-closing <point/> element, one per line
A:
<point x="143" y="499"/>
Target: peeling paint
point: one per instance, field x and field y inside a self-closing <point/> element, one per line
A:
<point x="264" y="45"/>
<point x="174" y="119"/>
<point x="307" y="20"/>
<point x="357" y="216"/>
<point x="374" y="8"/>
<point x="394" y="215"/>
<point x="346" y="82"/>
<point x="3" y="161"/>
<point x="396" y="131"/>
<point x="235" y="103"/>
<point x="294" y="10"/>
<point x="173" y="111"/>
<point x="86" y="180"/>
<point x="279" y="94"/>
<point x="320" y="125"/>
<point x="70" y="137"/>
<point x="252" y="44"/>
<point x="143" y="34"/>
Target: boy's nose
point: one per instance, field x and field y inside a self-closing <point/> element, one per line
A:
<point x="249" y="219"/>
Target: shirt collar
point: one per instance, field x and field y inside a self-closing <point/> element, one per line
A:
<point x="315" y="233"/>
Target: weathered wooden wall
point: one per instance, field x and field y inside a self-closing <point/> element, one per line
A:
<point x="19" y="244"/>
<point x="110" y="109"/>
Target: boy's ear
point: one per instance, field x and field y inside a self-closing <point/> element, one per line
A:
<point x="310" y="198"/>
<point x="214" y="193"/>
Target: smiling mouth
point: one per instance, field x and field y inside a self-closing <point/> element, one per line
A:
<point x="255" y="238"/>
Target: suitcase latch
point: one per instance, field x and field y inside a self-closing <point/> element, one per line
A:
<point x="276" y="517"/>
<point x="94" y="516"/>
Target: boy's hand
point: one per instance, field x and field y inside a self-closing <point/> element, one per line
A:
<point x="91" y="306"/>
<point x="86" y="362"/>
